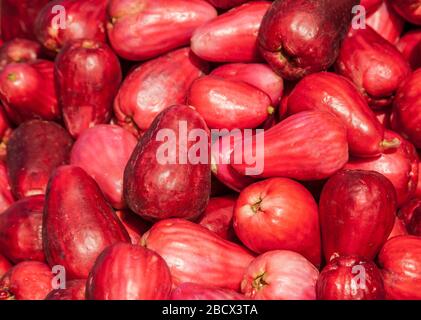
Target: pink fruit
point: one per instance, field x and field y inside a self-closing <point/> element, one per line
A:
<point x="103" y="152"/>
<point x="155" y="86"/>
<point x="75" y="290"/>
<point x="194" y="291"/>
<point x="192" y="251"/>
<point x="19" y="50"/>
<point x="256" y="74"/>
<point x="88" y="75"/>
<point x="288" y="214"/>
<point x="129" y="272"/>
<point x="232" y="36"/>
<point x="55" y="28"/>
<point x="21" y="230"/>
<point x="34" y="150"/>
<point x="144" y="29"/>
<point x="280" y="275"/>
<point x="27" y="91"/>
<point x="78" y="223"/>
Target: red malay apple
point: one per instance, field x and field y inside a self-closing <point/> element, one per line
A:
<point x="399" y="228"/>
<point x="229" y="104"/>
<point x="371" y="5"/>
<point x="88" y="75"/>
<point x="19" y="50"/>
<point x="410" y="213"/>
<point x="326" y="91"/>
<point x="400" y="262"/>
<point x="21" y="230"/>
<point x="374" y="64"/>
<point x="27" y="91"/>
<point x="75" y="290"/>
<point x="288" y="214"/>
<point x="134" y="225"/>
<point x="192" y="251"/>
<point x="6" y="197"/>
<point x="350" y="278"/>
<point x="5" y="266"/>
<point x="34" y="150"/>
<point x="129" y="272"/>
<point x="194" y="291"/>
<point x="410" y="46"/>
<point x="78" y="222"/>
<point x="144" y="29"/>
<point x="155" y="86"/>
<point x="280" y="275"/>
<point x="103" y="152"/>
<point x="28" y="280"/>
<point x="232" y="36"/>
<point x="55" y="27"/>
<point x="163" y="174"/>
<point x="357" y="213"/>
<point x="408" y="9"/>
<point x="301" y="37"/>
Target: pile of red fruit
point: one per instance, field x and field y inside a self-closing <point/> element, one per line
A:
<point x="324" y="95"/>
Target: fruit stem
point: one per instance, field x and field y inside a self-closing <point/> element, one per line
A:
<point x="390" y="144"/>
<point x="259" y="282"/>
<point x="271" y="110"/>
<point x="12" y="77"/>
<point x="256" y="206"/>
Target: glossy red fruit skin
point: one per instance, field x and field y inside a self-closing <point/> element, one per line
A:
<point x="410" y="46"/>
<point x="82" y="20"/>
<point x="256" y="74"/>
<point x="78" y="223"/>
<point x="288" y="214"/>
<point x="6" y="197"/>
<point x="155" y="188"/>
<point x="27" y="91"/>
<point x="410" y="10"/>
<point x="418" y="191"/>
<point x="350" y="278"/>
<point x="301" y="37"/>
<point x="129" y="272"/>
<point x="5" y="266"/>
<point x="155" y="86"/>
<point x="75" y="290"/>
<point x="280" y="275"/>
<point x="19" y="50"/>
<point x="387" y="23"/>
<point x="88" y="75"/>
<point x="374" y="64"/>
<point x="194" y="291"/>
<point x="232" y="36"/>
<point x="218" y="217"/>
<point x="399" y="229"/>
<point x="357" y="212"/>
<point x="406" y="116"/>
<point x="192" y="251"/>
<point x="226" y="4"/>
<point x="28" y="280"/>
<point x="400" y="262"/>
<point x="228" y="104"/>
<point x="34" y="150"/>
<point x="410" y="213"/>
<point x="296" y="148"/>
<point x="18" y="17"/>
<point x="140" y="30"/>
<point x="371" y="5"/>
<point x="326" y="91"/>
<point x="399" y="165"/>
<point x="21" y="230"/>
<point x="134" y="225"/>
<point x="220" y="160"/>
<point x="103" y="152"/>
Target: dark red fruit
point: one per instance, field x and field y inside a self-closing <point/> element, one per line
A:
<point x="6" y="197"/>
<point x="75" y="290"/>
<point x="410" y="213"/>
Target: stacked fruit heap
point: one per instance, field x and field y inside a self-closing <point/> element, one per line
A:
<point x="91" y="91"/>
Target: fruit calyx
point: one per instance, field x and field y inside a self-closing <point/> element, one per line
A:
<point x="390" y="144"/>
<point x="259" y="282"/>
<point x="256" y="206"/>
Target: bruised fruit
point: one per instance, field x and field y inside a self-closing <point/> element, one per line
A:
<point x="21" y="230"/>
<point x="103" y="152"/>
<point x="301" y="37"/>
<point x="72" y="20"/>
<point x="129" y="272"/>
<point x="78" y="223"/>
<point x="229" y="104"/>
<point x="194" y="291"/>
<point x="27" y="91"/>
<point x="144" y="29"/>
<point x="280" y="275"/>
<point x="192" y="251"/>
<point x="169" y="167"/>
<point x="34" y="150"/>
<point x="350" y="278"/>
<point x="19" y="50"/>
<point x="295" y="148"/>
<point x="88" y="76"/>
<point x="75" y="290"/>
<point x="357" y="213"/>
<point x="28" y="280"/>
<point x="232" y="36"/>
<point x="288" y="214"/>
<point x="155" y="86"/>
